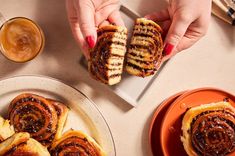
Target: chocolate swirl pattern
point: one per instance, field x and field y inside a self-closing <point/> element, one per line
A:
<point x="20" y="144"/>
<point x="76" y="143"/>
<point x="144" y="55"/>
<point x="35" y="115"/>
<point x="107" y="57"/>
<point x="209" y="130"/>
<point x="62" y="114"/>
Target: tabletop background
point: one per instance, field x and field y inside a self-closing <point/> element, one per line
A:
<point x="209" y="63"/>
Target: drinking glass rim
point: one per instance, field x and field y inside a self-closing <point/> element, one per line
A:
<point x="38" y="28"/>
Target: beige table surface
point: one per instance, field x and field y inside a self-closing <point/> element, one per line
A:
<point x="210" y="62"/>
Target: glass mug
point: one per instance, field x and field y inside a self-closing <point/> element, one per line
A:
<point x="21" y="39"/>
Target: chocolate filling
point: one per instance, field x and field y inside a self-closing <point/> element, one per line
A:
<point x="27" y="123"/>
<point x="75" y="146"/>
<point x="12" y="150"/>
<point x="145" y="35"/>
<point x="31" y="99"/>
<point x="103" y="31"/>
<point x="214" y="134"/>
<point x="140" y="56"/>
<point x="142" y="61"/>
<point x="152" y="31"/>
<point x="143" y="70"/>
<point x="149" y="25"/>
<point x="139" y="47"/>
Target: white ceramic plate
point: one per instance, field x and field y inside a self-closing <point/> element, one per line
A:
<point x="83" y="115"/>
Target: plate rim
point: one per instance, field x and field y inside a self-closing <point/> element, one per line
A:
<point x="74" y="88"/>
<point x="157" y="110"/>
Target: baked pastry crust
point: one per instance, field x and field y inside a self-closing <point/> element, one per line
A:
<point x="209" y="129"/>
<point x="34" y="114"/>
<point x="74" y="142"/>
<point x="6" y="130"/>
<point x="62" y="112"/>
<point x="107" y="57"/>
<point x="144" y="54"/>
<point x="21" y="144"/>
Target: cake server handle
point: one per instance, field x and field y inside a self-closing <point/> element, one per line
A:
<point x="128" y="11"/>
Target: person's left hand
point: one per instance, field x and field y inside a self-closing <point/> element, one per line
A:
<point x="85" y="16"/>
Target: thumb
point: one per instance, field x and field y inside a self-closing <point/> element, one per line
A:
<point x="86" y="17"/>
<point x="178" y="27"/>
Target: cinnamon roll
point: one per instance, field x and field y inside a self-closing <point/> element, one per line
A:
<point x="62" y="113"/>
<point x="209" y="129"/>
<point x="6" y="130"/>
<point x="35" y="115"/>
<point x="76" y="143"/>
<point x="20" y="144"/>
<point x="144" y="55"/>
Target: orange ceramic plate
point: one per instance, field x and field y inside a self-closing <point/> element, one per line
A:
<point x="171" y="125"/>
<point x="155" y="125"/>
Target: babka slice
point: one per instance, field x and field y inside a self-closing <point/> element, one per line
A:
<point x="76" y="143"/>
<point x="20" y="144"/>
<point x="107" y="57"/>
<point x="144" y="54"/>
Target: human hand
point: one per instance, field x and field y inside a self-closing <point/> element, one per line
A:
<point x="185" y="23"/>
<point x="86" y="15"/>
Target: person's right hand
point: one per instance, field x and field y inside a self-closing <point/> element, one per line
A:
<point x="184" y="22"/>
<point x="86" y="15"/>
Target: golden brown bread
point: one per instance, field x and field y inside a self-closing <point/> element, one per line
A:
<point x="209" y="129"/>
<point x="6" y="130"/>
<point x="34" y="114"/>
<point x="77" y="143"/>
<point x="107" y="57"/>
<point x="144" y="54"/>
<point x="20" y="144"/>
<point x="42" y="118"/>
<point x="62" y="113"/>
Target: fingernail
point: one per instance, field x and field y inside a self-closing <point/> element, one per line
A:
<point x="90" y="41"/>
<point x="168" y="49"/>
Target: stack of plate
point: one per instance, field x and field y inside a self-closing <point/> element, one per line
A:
<point x="165" y="128"/>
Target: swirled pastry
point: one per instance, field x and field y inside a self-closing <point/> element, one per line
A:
<point x="20" y="144"/>
<point x="35" y="115"/>
<point x="107" y="57"/>
<point x="144" y="54"/>
<point x="6" y="130"/>
<point x="62" y="113"/>
<point x="209" y="130"/>
<point x="76" y="143"/>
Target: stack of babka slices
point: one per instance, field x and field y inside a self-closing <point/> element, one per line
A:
<point x="106" y="63"/>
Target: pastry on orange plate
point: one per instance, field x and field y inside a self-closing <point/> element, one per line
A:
<point x="209" y="129"/>
<point x="20" y="144"/>
<point x="144" y="55"/>
<point x="107" y="57"/>
<point x="6" y="130"/>
<point x="76" y="143"/>
<point x="38" y="116"/>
